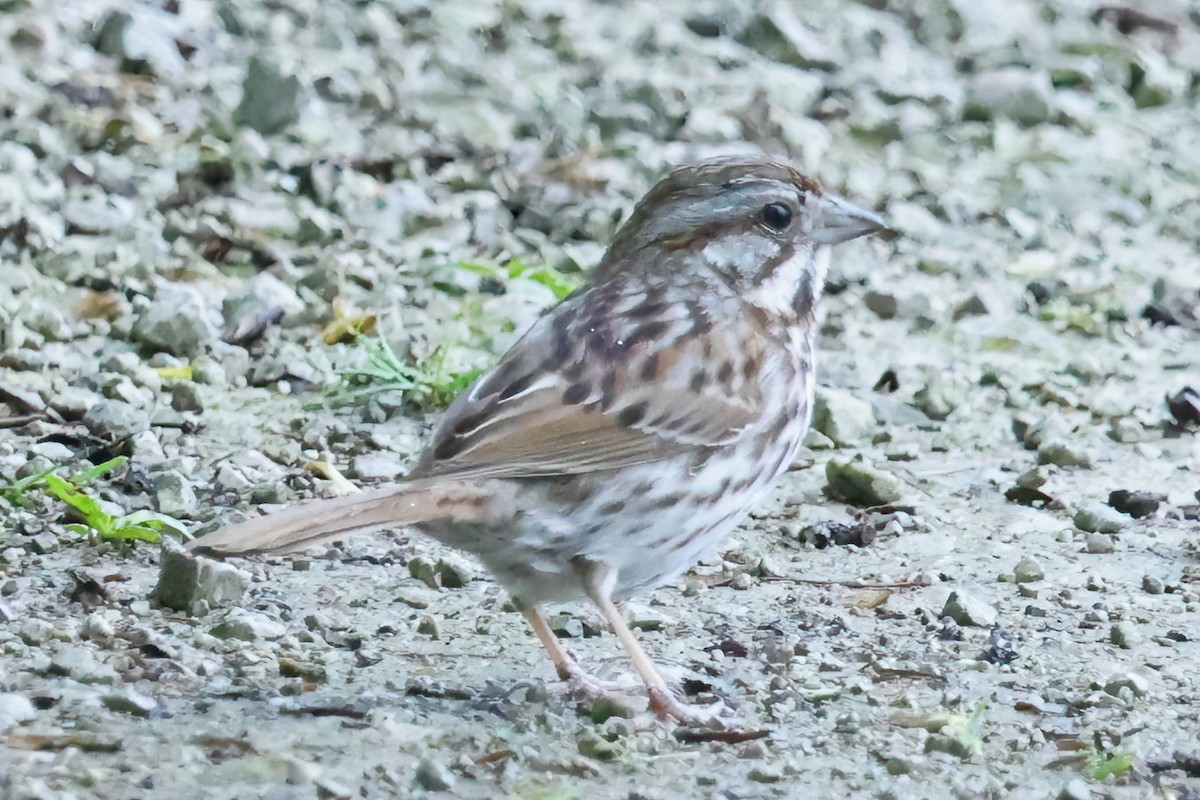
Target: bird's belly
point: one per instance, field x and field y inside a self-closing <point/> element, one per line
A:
<point x="648" y="523"/>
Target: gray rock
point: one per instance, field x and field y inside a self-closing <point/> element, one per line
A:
<point x="73" y="402"/>
<point x="423" y="570"/>
<point x="860" y="484"/>
<point x="453" y="573"/>
<point x="1028" y="570"/>
<point x="969" y="611"/>
<point x="174" y="495"/>
<point x="1100" y="543"/>
<point x="1032" y="479"/>
<point x="43" y="543"/>
<point x="79" y="663"/>
<point x="1152" y="585"/>
<point x="973" y="306"/>
<point x="428" y="626"/>
<point x="846" y="419"/>
<point x="1076" y="789"/>
<point x="883" y="304"/>
<point x="14" y="709"/>
<point x="1124" y="635"/>
<point x="188" y="396"/>
<point x="1098" y="518"/>
<point x="1022" y="95"/>
<point x="765" y="773"/>
<point x="270" y="99"/>
<point x="144" y="38"/>
<point x="434" y="776"/>
<point x="128" y="701"/>
<point x="953" y="745"/>
<point x="115" y="420"/>
<point x="938" y="398"/>
<point x="248" y="626"/>
<point x="778" y="34"/>
<point x="376" y="465"/>
<point x="592" y="745"/>
<point x="97" y="629"/>
<point x="185" y="578"/>
<point x="181" y="320"/>
<point x="1063" y="454"/>
<point x="34" y="632"/>
<point x="1133" y="681"/>
<point x="263" y="301"/>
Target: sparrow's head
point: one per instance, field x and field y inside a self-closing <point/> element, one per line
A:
<point x="758" y="224"/>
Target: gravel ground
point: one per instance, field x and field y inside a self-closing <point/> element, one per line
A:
<point x="201" y="200"/>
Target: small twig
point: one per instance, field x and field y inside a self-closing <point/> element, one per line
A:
<point x="847" y="584"/>
<point x="326" y="711"/>
<point x="341" y="484"/>
<point x="699" y="735"/>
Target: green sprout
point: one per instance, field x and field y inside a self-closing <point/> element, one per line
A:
<point x="144" y="526"/>
<point x="1102" y="764"/>
<point x="17" y="492"/>
<point x="559" y="283"/>
<point x="429" y="384"/>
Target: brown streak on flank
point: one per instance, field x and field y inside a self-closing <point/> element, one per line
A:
<point x="701" y="324"/>
<point x="445" y="502"/>
<point x="573" y="371"/>
<point x="576" y="393"/>
<point x="750" y="367"/>
<point x="745" y="483"/>
<point x="725" y="373"/>
<point x="615" y="507"/>
<point x="631" y="415"/>
<point x="647" y="331"/>
<point x="646" y="309"/>
<point x="699" y="378"/>
<point x="668" y="501"/>
<point x="758" y="316"/>
<point x="650" y="367"/>
<point x="608" y="389"/>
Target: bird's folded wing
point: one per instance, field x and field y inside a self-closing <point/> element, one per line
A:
<point x="579" y="395"/>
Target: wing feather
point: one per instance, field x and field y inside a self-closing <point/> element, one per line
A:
<point x="587" y="390"/>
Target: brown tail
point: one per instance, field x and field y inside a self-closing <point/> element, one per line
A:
<point x="312" y="523"/>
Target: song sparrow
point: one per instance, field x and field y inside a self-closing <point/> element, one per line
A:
<point x="637" y="422"/>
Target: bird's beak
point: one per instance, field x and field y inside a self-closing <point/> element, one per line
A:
<point x="838" y="221"/>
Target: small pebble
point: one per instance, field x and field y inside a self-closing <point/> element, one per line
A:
<point x="1028" y="570"/>
<point x="860" y="484"/>
<point x="129" y="702"/>
<point x="1097" y="518"/>
<point x="968" y="610"/>
<point x="434" y="776"/>
<point x="1124" y="635"/>
<point x="1063" y="455"/>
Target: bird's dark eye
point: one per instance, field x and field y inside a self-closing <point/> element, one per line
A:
<point x="776" y="216"/>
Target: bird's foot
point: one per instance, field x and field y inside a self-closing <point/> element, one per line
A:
<point x="665" y="705"/>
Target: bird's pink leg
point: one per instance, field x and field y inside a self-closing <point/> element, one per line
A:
<point x="598" y="581"/>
